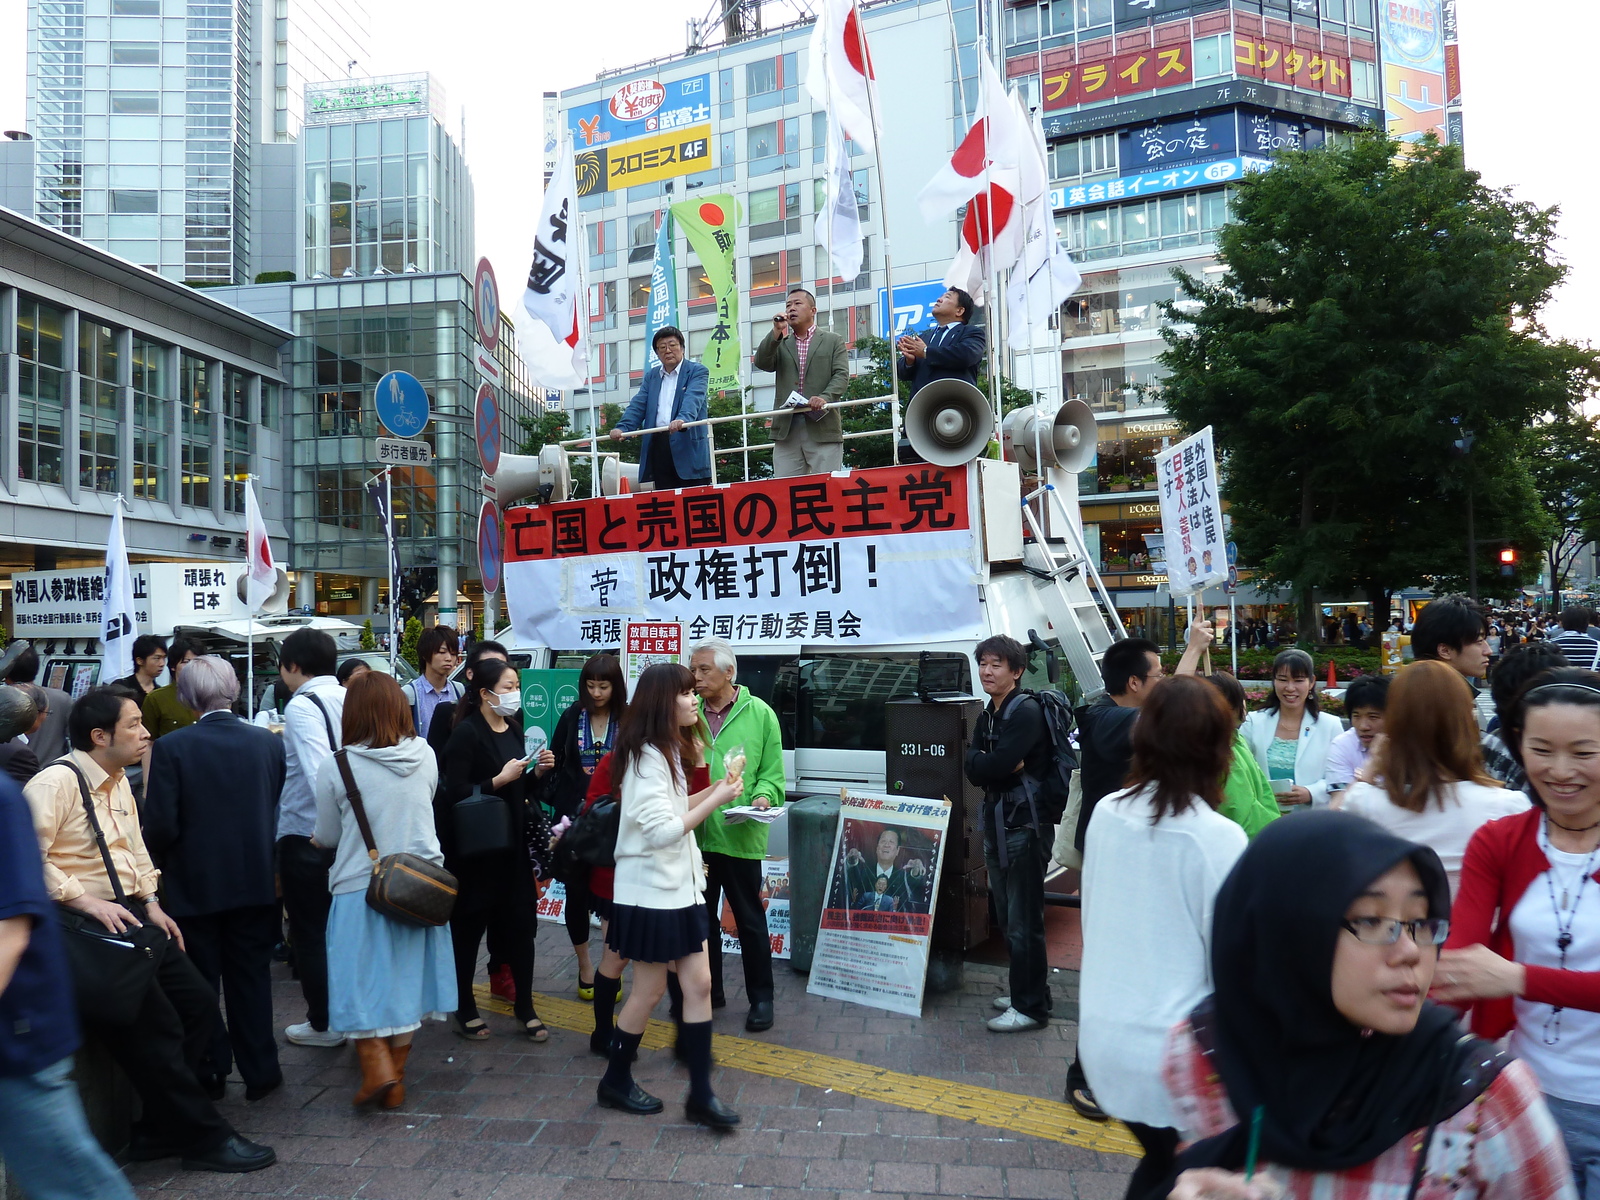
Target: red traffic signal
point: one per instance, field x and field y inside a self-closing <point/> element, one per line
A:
<point x="1508" y="557"/>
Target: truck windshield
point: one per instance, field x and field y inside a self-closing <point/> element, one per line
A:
<point x="835" y="701"/>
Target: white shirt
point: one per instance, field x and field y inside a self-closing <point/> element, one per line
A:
<point x="305" y="746"/>
<point x="1447" y="829"/>
<point x="668" y="393"/>
<point x="1148" y="894"/>
<point x="1569" y="1070"/>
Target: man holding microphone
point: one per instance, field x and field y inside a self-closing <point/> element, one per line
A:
<point x="813" y="369"/>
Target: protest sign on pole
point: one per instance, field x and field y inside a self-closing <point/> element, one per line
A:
<point x="710" y="223"/>
<point x="663" y="310"/>
<point x="877" y="919"/>
<point x="1191" y="515"/>
<point x="647" y="643"/>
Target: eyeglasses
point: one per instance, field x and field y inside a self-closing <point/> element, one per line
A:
<point x="1385" y="931"/>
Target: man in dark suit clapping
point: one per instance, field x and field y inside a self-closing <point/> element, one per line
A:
<point x="210" y="820"/>
<point x="952" y="349"/>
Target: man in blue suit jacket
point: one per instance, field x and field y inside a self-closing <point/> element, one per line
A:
<point x="952" y="349"/>
<point x="672" y="394"/>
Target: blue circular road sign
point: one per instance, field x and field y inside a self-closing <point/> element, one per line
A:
<point x="486" y="424"/>
<point x="489" y="546"/>
<point x="402" y="404"/>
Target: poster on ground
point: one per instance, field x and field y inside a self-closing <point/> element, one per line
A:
<point x="775" y="899"/>
<point x="872" y="945"/>
<point x="1192" y="535"/>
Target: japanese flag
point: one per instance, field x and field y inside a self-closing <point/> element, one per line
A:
<point x="556" y="347"/>
<point x="1044" y="276"/>
<point x="838" y="225"/>
<point x="839" y="73"/>
<point x="263" y="572"/>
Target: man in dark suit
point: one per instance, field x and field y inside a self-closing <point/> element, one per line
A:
<point x="813" y="369"/>
<point x="210" y="821"/>
<point x="952" y="349"/>
<point x="49" y="741"/>
<point x="907" y="885"/>
<point x="671" y="395"/>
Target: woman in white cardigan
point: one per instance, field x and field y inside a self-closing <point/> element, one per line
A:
<point x="1290" y="736"/>
<point x="658" y="912"/>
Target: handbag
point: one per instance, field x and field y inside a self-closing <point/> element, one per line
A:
<point x="111" y="971"/>
<point x="591" y="840"/>
<point x="404" y="887"/>
<point x="482" y="824"/>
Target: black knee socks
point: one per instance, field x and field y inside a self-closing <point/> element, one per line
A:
<point x="619" y="1071"/>
<point x="694" y="1045"/>
<point x="605" y="1004"/>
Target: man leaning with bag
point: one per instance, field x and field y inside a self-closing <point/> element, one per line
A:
<point x="157" y="1020"/>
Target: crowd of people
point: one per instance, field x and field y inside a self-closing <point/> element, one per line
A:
<point x="1327" y="961"/>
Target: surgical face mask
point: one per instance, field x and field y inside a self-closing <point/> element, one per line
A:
<point x="507" y="704"/>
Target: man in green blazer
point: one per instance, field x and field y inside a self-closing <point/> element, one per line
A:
<point x="812" y="367"/>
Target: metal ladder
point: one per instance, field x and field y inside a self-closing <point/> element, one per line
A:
<point x="1073" y="594"/>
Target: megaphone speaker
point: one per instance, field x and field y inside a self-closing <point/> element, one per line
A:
<point x="553" y="470"/>
<point x="277" y="602"/>
<point x="949" y="422"/>
<point x="1064" y="439"/>
<point x="517" y="477"/>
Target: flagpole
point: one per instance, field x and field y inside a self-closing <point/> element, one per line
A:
<point x="388" y="504"/>
<point x="883" y="224"/>
<point x="250" y="636"/>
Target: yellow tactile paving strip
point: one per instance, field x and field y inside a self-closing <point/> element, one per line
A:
<point x="1050" y="1119"/>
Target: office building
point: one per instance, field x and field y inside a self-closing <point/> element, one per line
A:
<point x="115" y="380"/>
<point x="386" y="187"/>
<point x="165" y="132"/>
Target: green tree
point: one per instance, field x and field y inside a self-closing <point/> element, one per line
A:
<point x="408" y="641"/>
<point x="369" y="639"/>
<point x="1564" y="459"/>
<point x="1372" y="312"/>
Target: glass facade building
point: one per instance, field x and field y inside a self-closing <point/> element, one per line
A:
<point x="149" y="117"/>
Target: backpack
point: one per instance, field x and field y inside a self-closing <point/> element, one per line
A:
<point x="409" y="691"/>
<point x="1048" y="795"/>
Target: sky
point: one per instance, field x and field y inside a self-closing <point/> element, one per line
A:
<point x="1523" y="82"/>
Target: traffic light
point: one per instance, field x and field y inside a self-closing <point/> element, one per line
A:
<point x="1508" y="560"/>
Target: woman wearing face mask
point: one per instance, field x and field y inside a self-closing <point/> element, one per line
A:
<point x="1290" y="735"/>
<point x="485" y="755"/>
<point x="1526" y="949"/>
<point x="1318" y="1060"/>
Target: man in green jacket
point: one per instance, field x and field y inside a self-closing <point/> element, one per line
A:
<point x="813" y="369"/>
<point x="738" y="722"/>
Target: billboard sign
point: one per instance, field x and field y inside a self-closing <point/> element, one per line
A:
<point x="368" y="99"/>
<point x="640" y="107"/>
<point x="1155" y="183"/>
<point x="1179" y="102"/>
<point x="1184" y="139"/>
<point x="644" y="160"/>
<point x="1112" y="75"/>
<point x="1298" y="66"/>
<point x="1411" y="40"/>
<point x="1264" y="133"/>
<point x="912" y="305"/>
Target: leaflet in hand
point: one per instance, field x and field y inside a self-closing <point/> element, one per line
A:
<point x="748" y="812"/>
<point x="796" y="400"/>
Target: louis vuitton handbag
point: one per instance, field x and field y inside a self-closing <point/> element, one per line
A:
<point x="403" y="887"/>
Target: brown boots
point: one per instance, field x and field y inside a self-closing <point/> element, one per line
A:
<point x="396" y="1095"/>
<point x="379" y="1075"/>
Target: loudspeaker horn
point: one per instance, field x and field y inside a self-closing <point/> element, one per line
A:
<point x="1066" y="437"/>
<point x="517" y="477"/>
<point x="278" y="602"/>
<point x="553" y="472"/>
<point x="949" y="422"/>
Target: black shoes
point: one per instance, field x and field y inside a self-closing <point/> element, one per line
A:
<point x="1084" y="1103"/>
<point x="254" y="1092"/>
<point x="234" y="1157"/>
<point x="713" y="1113"/>
<point x="214" y="1086"/>
<point x="635" y="1100"/>
<point x="760" y="1018"/>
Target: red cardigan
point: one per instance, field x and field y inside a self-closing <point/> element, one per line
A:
<point x="1502" y="859"/>
<point x="602" y="879"/>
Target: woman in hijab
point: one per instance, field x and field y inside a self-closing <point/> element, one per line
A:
<point x="1318" y="1060"/>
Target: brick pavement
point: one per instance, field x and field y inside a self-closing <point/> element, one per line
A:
<point x="511" y="1120"/>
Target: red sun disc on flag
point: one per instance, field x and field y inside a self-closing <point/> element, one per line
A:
<point x="987" y="214"/>
<point x="855" y="46"/>
<point x="711" y="214"/>
<point x="969" y="157"/>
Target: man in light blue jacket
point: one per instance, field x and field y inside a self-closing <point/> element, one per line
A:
<point x="671" y="395"/>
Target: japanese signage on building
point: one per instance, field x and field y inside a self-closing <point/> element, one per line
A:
<point x="640" y="107"/>
<point x="1153" y="183"/>
<point x="1150" y="69"/>
<point x="1411" y="36"/>
<point x="1185" y="101"/>
<point x="644" y="160"/>
<point x="646" y="643"/>
<point x="368" y="99"/>
<point x="1186" y="139"/>
<point x="875" y="557"/>
<point x="1281" y="62"/>
<point x="1191" y="515"/>
<point x="872" y="944"/>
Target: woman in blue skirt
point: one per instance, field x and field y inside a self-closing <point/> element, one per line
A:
<point x="384" y="978"/>
<point x="658" y="915"/>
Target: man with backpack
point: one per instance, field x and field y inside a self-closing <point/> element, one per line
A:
<point x="1011" y="757"/>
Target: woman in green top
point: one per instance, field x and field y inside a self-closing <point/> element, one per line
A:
<point x="1247" y="793"/>
<point x="163" y="712"/>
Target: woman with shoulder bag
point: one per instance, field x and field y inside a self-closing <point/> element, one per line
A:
<point x="658" y="914"/>
<point x="483" y="814"/>
<point x="384" y="978"/>
<point x="583" y="736"/>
